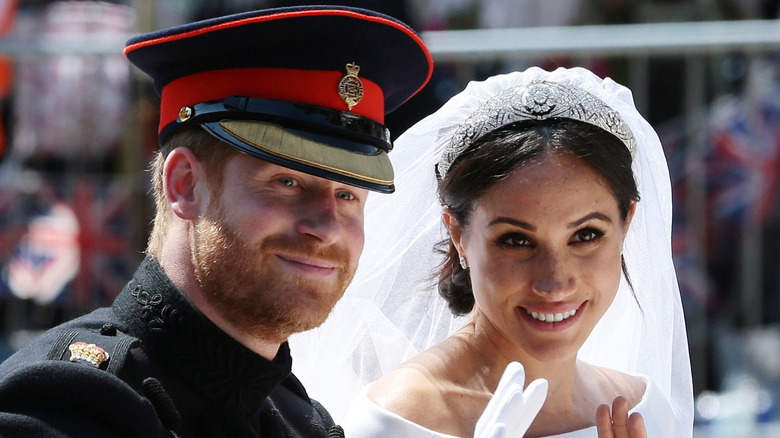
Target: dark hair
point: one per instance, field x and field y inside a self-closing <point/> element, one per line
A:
<point x="495" y="156"/>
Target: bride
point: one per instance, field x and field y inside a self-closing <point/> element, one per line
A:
<point x="548" y="251"/>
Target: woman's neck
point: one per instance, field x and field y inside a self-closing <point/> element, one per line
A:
<point x="568" y="403"/>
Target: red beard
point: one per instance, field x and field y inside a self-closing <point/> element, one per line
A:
<point x="241" y="283"/>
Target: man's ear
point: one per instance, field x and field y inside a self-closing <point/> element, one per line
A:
<point x="184" y="182"/>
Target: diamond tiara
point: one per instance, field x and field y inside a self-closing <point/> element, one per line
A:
<point x="537" y="100"/>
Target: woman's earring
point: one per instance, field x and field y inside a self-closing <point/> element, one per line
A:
<point x="463" y="262"/>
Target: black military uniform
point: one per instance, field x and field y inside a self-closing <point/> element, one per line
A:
<point x="167" y="365"/>
<point x="302" y="87"/>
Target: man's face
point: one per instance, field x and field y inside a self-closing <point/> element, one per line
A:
<point x="275" y="249"/>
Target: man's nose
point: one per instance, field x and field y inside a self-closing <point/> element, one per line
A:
<point x="320" y="218"/>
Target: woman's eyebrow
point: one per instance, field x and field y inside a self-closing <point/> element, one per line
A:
<point x="594" y="215"/>
<point x="510" y="221"/>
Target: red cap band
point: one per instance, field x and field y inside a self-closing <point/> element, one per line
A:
<point x="313" y="87"/>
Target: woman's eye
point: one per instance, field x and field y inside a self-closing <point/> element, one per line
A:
<point x="587" y="235"/>
<point x="514" y="240"/>
<point x="288" y="181"/>
<point x="345" y="195"/>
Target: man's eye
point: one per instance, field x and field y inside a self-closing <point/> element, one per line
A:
<point x="288" y="181"/>
<point x="346" y="196"/>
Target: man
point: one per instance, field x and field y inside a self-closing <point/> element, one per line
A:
<point x="271" y="126"/>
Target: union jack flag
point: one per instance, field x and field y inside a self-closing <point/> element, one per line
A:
<point x="77" y="240"/>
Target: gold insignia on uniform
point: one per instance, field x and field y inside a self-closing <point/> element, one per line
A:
<point x="90" y="353"/>
<point x="350" y="86"/>
<point x="185" y="113"/>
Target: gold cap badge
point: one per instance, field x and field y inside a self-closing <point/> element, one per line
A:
<point x="185" y="113"/>
<point x="350" y="86"/>
<point x="89" y="353"/>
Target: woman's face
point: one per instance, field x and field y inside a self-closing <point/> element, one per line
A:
<point x="543" y="247"/>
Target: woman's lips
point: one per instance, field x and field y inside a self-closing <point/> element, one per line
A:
<point x="552" y="319"/>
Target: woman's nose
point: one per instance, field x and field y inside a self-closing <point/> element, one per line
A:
<point x="552" y="275"/>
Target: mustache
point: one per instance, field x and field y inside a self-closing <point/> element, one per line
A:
<point x="306" y="247"/>
<point x="286" y="246"/>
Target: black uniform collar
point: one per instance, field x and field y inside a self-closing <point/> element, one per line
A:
<point x="175" y="331"/>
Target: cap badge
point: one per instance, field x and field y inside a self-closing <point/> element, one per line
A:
<point x="185" y="113"/>
<point x="89" y="353"/>
<point x="350" y="86"/>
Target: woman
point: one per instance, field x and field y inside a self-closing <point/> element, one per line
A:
<point x="549" y="254"/>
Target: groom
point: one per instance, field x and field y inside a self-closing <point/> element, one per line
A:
<point x="271" y="132"/>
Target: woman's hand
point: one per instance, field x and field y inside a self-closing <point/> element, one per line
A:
<point x="618" y="424"/>
<point x="511" y="410"/>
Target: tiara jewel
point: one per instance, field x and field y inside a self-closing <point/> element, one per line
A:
<point x="537" y="100"/>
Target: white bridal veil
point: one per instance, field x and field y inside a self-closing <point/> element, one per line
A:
<point x="392" y="310"/>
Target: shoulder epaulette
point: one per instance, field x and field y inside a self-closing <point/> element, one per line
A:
<point x="105" y="349"/>
<point x="108" y="349"/>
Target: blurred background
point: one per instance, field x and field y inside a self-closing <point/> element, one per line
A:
<point x="78" y="127"/>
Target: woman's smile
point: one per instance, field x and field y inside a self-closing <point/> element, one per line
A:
<point x="551" y="321"/>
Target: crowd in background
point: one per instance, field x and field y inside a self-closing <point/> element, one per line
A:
<point x="78" y="130"/>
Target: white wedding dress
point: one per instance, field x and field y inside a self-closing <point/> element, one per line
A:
<point x="367" y="419"/>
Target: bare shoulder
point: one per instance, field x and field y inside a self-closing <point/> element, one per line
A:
<point x="614" y="383"/>
<point x="435" y="390"/>
<point x="413" y="392"/>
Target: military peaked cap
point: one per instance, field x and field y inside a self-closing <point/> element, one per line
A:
<point x="302" y="87"/>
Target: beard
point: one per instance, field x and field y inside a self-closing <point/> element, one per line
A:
<point x="239" y="281"/>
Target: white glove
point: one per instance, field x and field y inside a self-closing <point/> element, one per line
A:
<point x="511" y="410"/>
